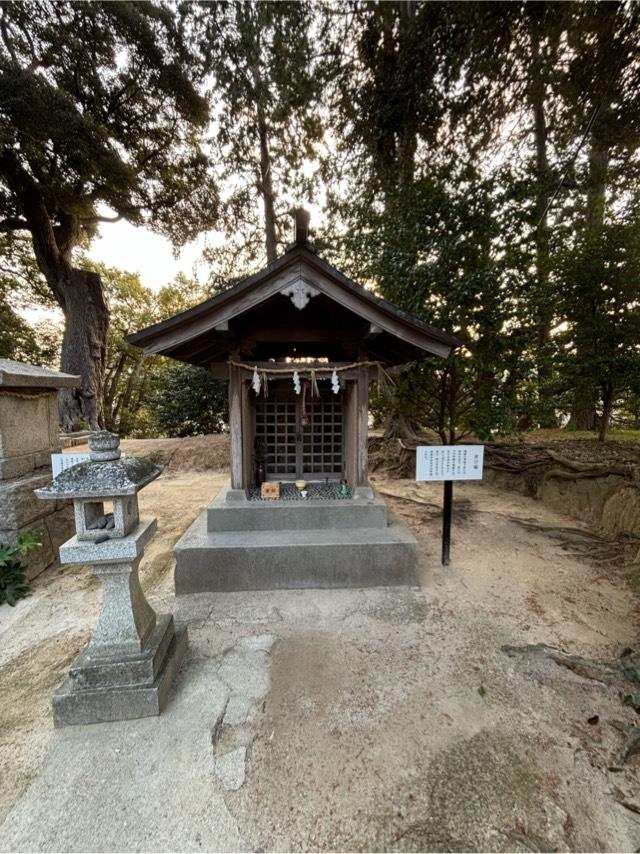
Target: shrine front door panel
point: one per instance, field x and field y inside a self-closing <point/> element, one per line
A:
<point x="277" y="432"/>
<point x="322" y="439"/>
<point x="301" y="441"/>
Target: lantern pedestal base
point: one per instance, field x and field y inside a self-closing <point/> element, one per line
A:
<point x="100" y="690"/>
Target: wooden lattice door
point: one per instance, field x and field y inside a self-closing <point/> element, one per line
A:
<point x="322" y="437"/>
<point x="295" y="446"/>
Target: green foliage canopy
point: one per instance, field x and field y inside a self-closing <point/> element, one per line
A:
<point x="190" y="402"/>
<point x="100" y="118"/>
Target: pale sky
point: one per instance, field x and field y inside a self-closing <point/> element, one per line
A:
<point x="138" y="250"/>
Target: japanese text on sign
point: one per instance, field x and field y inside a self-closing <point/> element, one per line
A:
<point x="449" y="462"/>
<point x="62" y="462"/>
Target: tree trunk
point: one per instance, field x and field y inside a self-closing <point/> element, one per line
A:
<point x="584" y="414"/>
<point x="544" y="310"/>
<point x="84" y="347"/>
<point x="407" y="135"/>
<point x="124" y="403"/>
<point x="400" y="425"/>
<point x="266" y="187"/>
<point x="111" y="386"/>
<point x="78" y="293"/>
<point x="607" y="406"/>
<point x="142" y="391"/>
<point x="453" y="401"/>
<point x="598" y="171"/>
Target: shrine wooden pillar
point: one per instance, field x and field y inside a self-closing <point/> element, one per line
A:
<point x="248" y="433"/>
<point x="350" y="430"/>
<point x="235" y="426"/>
<point x="362" y="427"/>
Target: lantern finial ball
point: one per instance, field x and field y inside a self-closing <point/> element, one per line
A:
<point x="104" y="446"/>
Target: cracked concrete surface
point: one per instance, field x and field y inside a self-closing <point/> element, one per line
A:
<point x="350" y="719"/>
<point x="230" y="768"/>
<point x="245" y="671"/>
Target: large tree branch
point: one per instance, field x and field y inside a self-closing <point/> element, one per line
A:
<point x="4" y="31"/>
<point x="89" y="220"/>
<point x="50" y="260"/>
<point x="14" y="223"/>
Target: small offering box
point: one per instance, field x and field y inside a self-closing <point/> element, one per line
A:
<point x="270" y="489"/>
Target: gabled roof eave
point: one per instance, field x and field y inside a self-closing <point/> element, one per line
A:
<point x="164" y="335"/>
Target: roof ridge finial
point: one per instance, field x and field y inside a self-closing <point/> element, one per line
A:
<point x="301" y="218"/>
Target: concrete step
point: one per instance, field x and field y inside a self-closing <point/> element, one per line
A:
<point x="226" y="561"/>
<point x="295" y="515"/>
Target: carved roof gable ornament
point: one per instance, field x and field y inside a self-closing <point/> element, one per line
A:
<point x="300" y="293"/>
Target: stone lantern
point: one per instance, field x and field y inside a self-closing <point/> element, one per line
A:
<point x="127" y="669"/>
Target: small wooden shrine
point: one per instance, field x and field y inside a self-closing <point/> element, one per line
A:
<point x="300" y="344"/>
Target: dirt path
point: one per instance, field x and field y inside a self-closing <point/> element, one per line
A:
<point x="354" y="720"/>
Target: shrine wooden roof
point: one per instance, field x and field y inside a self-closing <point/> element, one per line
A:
<point x="298" y="306"/>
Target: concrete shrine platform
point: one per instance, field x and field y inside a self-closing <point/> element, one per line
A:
<point x="238" y="544"/>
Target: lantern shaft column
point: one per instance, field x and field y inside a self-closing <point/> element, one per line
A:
<point x="126" y="619"/>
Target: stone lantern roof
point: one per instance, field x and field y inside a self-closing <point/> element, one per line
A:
<point x="107" y="474"/>
<point x="23" y="375"/>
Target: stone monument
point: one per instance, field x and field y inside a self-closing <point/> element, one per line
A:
<point x="29" y="434"/>
<point x="127" y="669"/>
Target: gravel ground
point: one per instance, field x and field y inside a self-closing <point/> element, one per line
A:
<point x="342" y="720"/>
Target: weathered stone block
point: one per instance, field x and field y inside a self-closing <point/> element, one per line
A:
<point x="127" y="548"/>
<point x="28" y="430"/>
<point x="90" y="671"/>
<point x="71" y="706"/>
<point x="224" y="514"/>
<point x="53" y="530"/>
<point x="28" y="416"/>
<point x="18" y="505"/>
<point x="225" y="561"/>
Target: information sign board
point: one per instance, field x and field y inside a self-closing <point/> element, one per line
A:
<point x="61" y="462"/>
<point x="449" y="462"/>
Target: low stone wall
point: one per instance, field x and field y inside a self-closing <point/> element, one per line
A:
<point x="21" y="511"/>
<point x="72" y="440"/>
<point x="28" y="436"/>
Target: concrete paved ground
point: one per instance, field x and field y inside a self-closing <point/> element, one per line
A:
<point x="343" y="720"/>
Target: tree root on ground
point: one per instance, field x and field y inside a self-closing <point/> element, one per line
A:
<point x="607" y="673"/>
<point x="565" y="533"/>
<point x="412" y="499"/>
<point x="622" y="552"/>
<point x="631" y="747"/>
<point x="621" y="674"/>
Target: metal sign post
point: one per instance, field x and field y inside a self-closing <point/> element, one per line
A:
<point x="447" y="512"/>
<point x="448" y="463"/>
